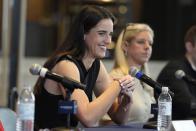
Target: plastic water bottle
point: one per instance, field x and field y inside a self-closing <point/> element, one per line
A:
<point x="25" y="110"/>
<point x="164" y="110"/>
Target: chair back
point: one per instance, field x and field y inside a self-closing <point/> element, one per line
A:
<point x="8" y="119"/>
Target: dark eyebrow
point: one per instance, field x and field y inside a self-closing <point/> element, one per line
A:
<point x="103" y="31"/>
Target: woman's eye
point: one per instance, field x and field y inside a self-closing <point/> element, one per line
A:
<point x="144" y="41"/>
<point x="101" y="33"/>
<point x="111" y="34"/>
<point x="140" y="41"/>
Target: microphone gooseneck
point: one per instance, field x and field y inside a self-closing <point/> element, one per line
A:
<point x="141" y="76"/>
<point x="67" y="82"/>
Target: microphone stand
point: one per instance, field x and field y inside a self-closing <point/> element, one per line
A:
<point x="68" y="93"/>
<point x="68" y="107"/>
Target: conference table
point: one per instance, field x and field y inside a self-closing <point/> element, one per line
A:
<point x="112" y="127"/>
<point x="118" y="128"/>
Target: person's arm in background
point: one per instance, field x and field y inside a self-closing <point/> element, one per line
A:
<point x="181" y="99"/>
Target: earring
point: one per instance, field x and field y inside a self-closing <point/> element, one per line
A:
<point x="125" y="52"/>
<point x="84" y="37"/>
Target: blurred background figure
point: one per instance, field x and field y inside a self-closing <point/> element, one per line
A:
<point x="172" y="75"/>
<point x="134" y="48"/>
<point x="24" y="41"/>
<point x="33" y="37"/>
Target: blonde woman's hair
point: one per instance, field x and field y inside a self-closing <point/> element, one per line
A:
<point x="131" y="30"/>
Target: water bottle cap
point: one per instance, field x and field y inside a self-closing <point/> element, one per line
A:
<point x="165" y="89"/>
<point x="27" y="86"/>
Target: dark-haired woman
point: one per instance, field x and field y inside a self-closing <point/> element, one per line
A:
<point x="79" y="58"/>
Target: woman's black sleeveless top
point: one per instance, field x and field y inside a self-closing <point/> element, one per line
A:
<point x="46" y="104"/>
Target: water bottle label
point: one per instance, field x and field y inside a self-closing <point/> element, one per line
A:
<point x="26" y="111"/>
<point x="165" y="108"/>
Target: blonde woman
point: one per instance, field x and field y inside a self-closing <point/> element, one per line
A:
<point x="134" y="48"/>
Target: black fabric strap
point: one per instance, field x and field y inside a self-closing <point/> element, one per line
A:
<point x="86" y="77"/>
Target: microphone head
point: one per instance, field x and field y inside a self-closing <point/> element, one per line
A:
<point x="133" y="71"/>
<point x="179" y="74"/>
<point x="35" y="69"/>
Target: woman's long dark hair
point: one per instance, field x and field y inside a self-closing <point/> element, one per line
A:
<point x="74" y="44"/>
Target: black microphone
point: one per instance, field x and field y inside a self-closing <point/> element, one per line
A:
<point x="180" y="74"/>
<point x="141" y="76"/>
<point x="68" y="83"/>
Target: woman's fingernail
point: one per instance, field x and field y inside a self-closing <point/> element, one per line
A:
<point x="121" y="84"/>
